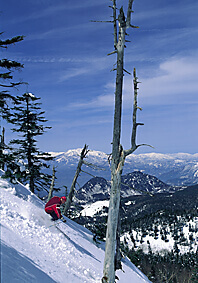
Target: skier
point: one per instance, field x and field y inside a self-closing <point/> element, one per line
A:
<point x="52" y="207"/>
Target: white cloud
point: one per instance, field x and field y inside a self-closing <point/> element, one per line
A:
<point x="73" y="72"/>
<point x="176" y="84"/>
<point x="50" y="9"/>
<point x="85" y="65"/>
<point x="99" y="102"/>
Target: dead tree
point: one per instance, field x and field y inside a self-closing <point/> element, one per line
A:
<point x="118" y="254"/>
<point x="52" y="184"/>
<point x="118" y="153"/>
<point x="81" y="162"/>
<point x="78" y="170"/>
<point x="2" y="146"/>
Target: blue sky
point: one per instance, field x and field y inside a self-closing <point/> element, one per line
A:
<point x="66" y="64"/>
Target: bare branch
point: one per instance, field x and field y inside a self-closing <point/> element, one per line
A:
<point x="114" y="69"/>
<point x="135" y="124"/>
<point x="115" y="51"/>
<point x="132" y="26"/>
<point x="126" y="71"/>
<point x="102" y="22"/>
<point x="93" y="166"/>
<point x="134" y="129"/>
<point x="145" y="144"/>
<point x="11" y="85"/>
<point x="131" y="150"/>
<point x="78" y="186"/>
<point x="115" y="24"/>
<point x="84" y="151"/>
<point x="88" y="173"/>
<point x="128" y="21"/>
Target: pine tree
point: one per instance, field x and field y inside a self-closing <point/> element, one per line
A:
<point x="6" y="69"/>
<point x="28" y="121"/>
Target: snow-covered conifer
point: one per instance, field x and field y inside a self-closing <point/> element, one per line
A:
<point x="28" y="122"/>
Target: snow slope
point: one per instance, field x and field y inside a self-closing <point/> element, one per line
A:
<point x="33" y="250"/>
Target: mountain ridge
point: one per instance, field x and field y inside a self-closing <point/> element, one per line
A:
<point x="135" y="183"/>
<point x="173" y="169"/>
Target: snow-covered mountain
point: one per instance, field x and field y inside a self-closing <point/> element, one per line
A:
<point x="173" y="169"/>
<point x="66" y="164"/>
<point x="33" y="250"/>
<point x="135" y="183"/>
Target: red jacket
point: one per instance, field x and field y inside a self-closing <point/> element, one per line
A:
<point x="54" y="205"/>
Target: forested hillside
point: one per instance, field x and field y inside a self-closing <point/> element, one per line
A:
<point x="159" y="231"/>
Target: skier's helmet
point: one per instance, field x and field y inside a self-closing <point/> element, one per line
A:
<point x="63" y="198"/>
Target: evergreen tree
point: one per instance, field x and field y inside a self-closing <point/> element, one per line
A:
<point x="6" y="69"/>
<point x="28" y="120"/>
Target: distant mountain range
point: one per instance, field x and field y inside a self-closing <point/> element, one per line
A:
<point x="179" y="169"/>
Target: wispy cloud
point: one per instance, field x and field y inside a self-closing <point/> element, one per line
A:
<point x="173" y="12"/>
<point x="85" y="65"/>
<point x="46" y="10"/>
<point x="65" y="31"/>
<point x="99" y="102"/>
<point x="176" y="84"/>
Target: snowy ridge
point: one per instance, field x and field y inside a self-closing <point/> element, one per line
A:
<point x="33" y="250"/>
<point x="174" y="169"/>
<point x="136" y="183"/>
<point x="73" y="154"/>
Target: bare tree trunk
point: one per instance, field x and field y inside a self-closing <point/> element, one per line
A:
<point x="117" y="161"/>
<point x="118" y="154"/>
<point x="113" y="262"/>
<point x="52" y="184"/>
<point x="2" y="149"/>
<point x="31" y="183"/>
<point x="78" y="170"/>
<point x="118" y="255"/>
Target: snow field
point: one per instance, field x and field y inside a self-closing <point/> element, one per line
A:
<point x="161" y="246"/>
<point x="91" y="209"/>
<point x="34" y="250"/>
<point x="25" y="222"/>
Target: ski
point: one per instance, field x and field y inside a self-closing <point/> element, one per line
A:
<point x="68" y="238"/>
<point x="55" y="223"/>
